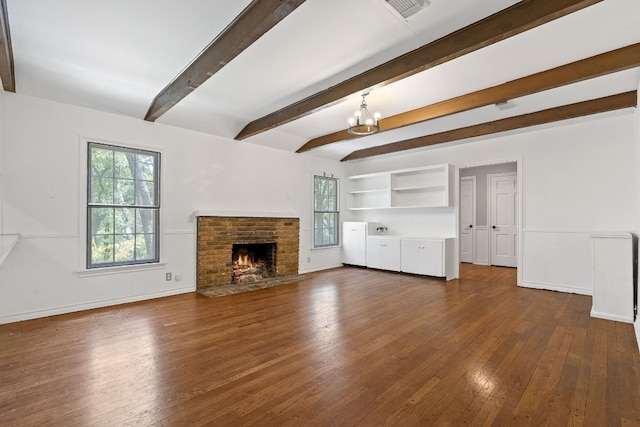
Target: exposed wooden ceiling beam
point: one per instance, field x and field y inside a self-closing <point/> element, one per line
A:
<point x="506" y="23"/>
<point x="7" y="73"/>
<point x="252" y="23"/>
<point x="595" y="66"/>
<point x="585" y="108"/>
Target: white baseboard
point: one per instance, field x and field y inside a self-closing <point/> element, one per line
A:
<point x="636" y="326"/>
<point x="27" y="315"/>
<point x="318" y="268"/>
<point x="550" y="287"/>
<point x="481" y="263"/>
<point x="608" y="316"/>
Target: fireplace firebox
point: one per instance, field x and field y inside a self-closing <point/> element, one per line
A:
<point x="253" y="262"/>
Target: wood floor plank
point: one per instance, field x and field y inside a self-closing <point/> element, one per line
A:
<point x="347" y="347"/>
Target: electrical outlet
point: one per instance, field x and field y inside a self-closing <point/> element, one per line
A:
<point x="308" y="259"/>
<point x="177" y="277"/>
<point x="168" y="277"/>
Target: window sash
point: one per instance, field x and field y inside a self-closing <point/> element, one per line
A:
<point x="326" y="212"/>
<point x="129" y="224"/>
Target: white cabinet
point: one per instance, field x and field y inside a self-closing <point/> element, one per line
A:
<point x="383" y="253"/>
<point x="422" y="257"/>
<point x="432" y="257"/>
<point x="429" y="186"/>
<point x="354" y="243"/>
<point x="426" y="256"/>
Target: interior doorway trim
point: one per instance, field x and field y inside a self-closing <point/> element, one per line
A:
<point x="470" y="226"/>
<point x="520" y="185"/>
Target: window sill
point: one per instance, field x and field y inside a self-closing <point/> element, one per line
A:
<point x="326" y="248"/>
<point x="101" y="271"/>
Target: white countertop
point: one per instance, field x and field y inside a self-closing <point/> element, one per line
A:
<point x="401" y="237"/>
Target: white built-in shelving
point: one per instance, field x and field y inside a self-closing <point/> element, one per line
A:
<point x="428" y="186"/>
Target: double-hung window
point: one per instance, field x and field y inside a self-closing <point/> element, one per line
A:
<point x="123" y="206"/>
<point x="325" y="211"/>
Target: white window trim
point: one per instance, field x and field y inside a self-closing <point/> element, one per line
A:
<point x="82" y="270"/>
<point x="313" y="211"/>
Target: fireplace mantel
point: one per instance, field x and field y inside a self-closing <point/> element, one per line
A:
<point x="247" y="214"/>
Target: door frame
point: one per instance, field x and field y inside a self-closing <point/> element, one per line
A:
<point x="520" y="185"/>
<point x="490" y="207"/>
<point x="473" y="214"/>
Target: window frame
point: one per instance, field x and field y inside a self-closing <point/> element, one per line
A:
<point x="336" y="242"/>
<point x="89" y="265"/>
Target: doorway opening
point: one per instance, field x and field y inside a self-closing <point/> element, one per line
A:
<point x="489" y="214"/>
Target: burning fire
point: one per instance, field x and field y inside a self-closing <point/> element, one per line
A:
<point x="247" y="267"/>
<point x="244" y="261"/>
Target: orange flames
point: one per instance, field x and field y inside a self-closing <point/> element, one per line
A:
<point x="244" y="261"/>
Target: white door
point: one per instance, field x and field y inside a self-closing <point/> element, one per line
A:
<point x="503" y="217"/>
<point x="467" y="217"/>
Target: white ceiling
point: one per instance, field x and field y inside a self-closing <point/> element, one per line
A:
<point x="117" y="55"/>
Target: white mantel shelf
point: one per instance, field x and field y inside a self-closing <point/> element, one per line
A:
<point x="245" y="214"/>
<point x="7" y="242"/>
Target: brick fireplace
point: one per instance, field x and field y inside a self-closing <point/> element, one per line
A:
<point x="217" y="236"/>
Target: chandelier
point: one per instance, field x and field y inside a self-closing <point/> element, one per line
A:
<point x="363" y="122"/>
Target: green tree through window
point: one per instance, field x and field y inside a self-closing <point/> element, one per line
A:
<point x="325" y="211"/>
<point x="123" y="206"/>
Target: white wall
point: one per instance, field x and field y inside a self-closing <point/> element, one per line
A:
<point x="43" y="167"/>
<point x="576" y="178"/>
<point x="1" y="145"/>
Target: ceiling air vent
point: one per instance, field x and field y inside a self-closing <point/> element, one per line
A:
<point x="505" y="105"/>
<point x="406" y="8"/>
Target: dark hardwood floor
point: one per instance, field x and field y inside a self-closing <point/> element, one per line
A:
<point x="348" y="347"/>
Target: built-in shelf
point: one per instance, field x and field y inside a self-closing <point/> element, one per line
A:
<point x="7" y="243"/>
<point x="366" y="191"/>
<point x="424" y="187"/>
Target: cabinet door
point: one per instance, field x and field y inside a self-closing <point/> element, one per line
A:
<point x="383" y="253"/>
<point x="354" y="243"/>
<point x="423" y="257"/>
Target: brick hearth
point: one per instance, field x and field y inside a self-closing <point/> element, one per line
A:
<point x="217" y="234"/>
